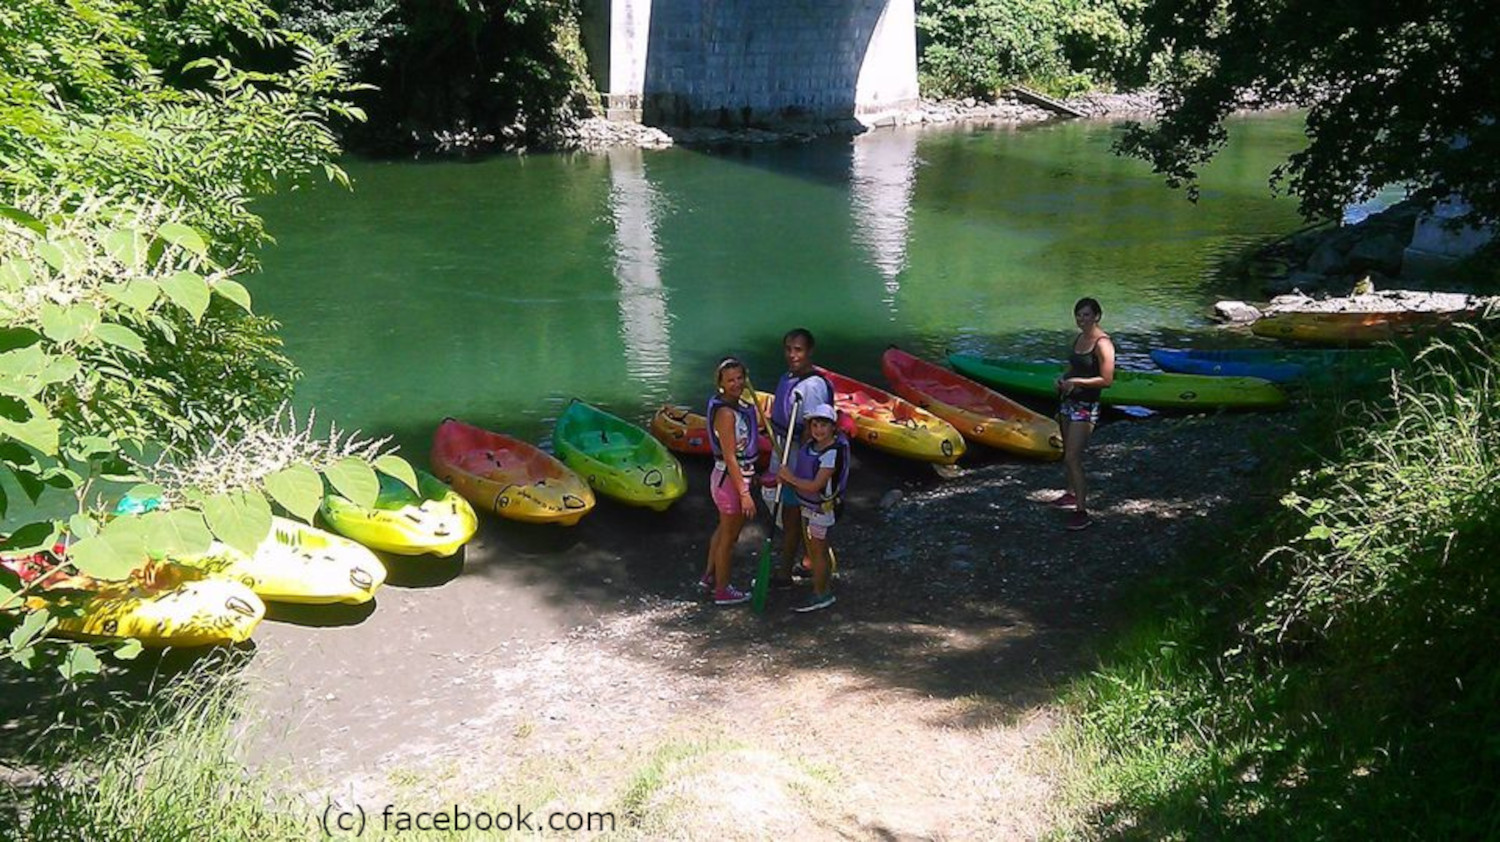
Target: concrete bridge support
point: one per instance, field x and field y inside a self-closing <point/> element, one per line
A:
<point x="752" y="62"/>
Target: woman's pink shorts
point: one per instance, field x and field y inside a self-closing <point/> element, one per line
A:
<point x="726" y="495"/>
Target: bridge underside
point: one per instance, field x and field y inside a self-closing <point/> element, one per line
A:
<point x="751" y="62"/>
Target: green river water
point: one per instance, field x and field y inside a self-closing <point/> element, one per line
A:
<point x="496" y="290"/>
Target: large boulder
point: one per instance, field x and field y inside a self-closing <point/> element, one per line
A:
<point x="1235" y="311"/>
<point x="1327" y="258"/>
<point x="1381" y="253"/>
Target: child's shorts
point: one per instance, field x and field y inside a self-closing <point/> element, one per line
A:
<point x="818" y="521"/>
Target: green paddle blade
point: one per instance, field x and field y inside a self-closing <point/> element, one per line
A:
<point x="762" y="587"/>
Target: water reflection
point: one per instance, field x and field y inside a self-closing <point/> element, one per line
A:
<point x="645" y="323"/>
<point x="882" y="180"/>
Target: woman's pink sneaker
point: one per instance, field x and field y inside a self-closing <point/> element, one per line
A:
<point x="1066" y="501"/>
<point x="730" y="595"/>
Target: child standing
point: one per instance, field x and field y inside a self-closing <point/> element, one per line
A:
<point x="801" y="378"/>
<point x="819" y="473"/>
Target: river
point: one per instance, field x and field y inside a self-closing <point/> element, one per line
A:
<point x="496" y="290"/>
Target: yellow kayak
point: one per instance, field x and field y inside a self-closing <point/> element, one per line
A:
<point x="177" y="611"/>
<point x="432" y="520"/>
<point x="886" y="422"/>
<point x="297" y="563"/>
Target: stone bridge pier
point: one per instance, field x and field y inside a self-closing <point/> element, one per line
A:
<point x="733" y="63"/>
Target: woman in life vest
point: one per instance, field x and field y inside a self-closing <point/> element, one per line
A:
<point x="1091" y="369"/>
<point x="819" y="473"/>
<point x="733" y="436"/>
<point x="801" y="378"/>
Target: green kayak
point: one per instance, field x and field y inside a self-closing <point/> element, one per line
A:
<point x="617" y="458"/>
<point x="1131" y="388"/>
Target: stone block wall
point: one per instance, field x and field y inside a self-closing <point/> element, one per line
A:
<point x="755" y="62"/>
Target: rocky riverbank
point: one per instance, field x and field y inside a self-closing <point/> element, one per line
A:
<point x="590" y="132"/>
<point x="598" y="133"/>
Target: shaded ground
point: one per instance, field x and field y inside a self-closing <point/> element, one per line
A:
<point x="584" y="656"/>
<point x="581" y="669"/>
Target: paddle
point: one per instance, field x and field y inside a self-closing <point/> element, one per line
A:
<point x="763" y="572"/>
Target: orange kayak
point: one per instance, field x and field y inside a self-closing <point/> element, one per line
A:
<point x="978" y="412"/>
<point x="685" y="431"/>
<point x="886" y="422"/>
<point x="507" y="476"/>
<point x="1354" y="328"/>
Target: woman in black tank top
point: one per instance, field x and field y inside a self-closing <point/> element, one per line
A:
<point x="1091" y="369"/>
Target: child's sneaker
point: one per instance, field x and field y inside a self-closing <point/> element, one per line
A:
<point x="802" y="569"/>
<point x="730" y="595"/>
<point x="1079" y="520"/>
<point x="706" y="582"/>
<point x="1066" y="501"/>
<point x="816" y="602"/>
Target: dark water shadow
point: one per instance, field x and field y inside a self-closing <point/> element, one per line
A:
<point x="324" y="616"/>
<point x="424" y="571"/>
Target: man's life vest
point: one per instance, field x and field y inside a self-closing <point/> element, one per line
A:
<point x="781" y="410"/>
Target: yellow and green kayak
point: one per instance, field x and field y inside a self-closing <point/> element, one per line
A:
<point x="434" y="519"/>
<point x="617" y="459"/>
<point x="1158" y="390"/>
<point x="297" y="563"/>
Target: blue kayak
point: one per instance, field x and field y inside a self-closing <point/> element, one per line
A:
<point x="1279" y="365"/>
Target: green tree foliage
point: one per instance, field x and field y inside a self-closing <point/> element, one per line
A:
<point x="1395" y="92"/>
<point x="974" y="47"/>
<point x="129" y="150"/>
<point x="445" y="66"/>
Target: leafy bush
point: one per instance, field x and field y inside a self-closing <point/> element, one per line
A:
<point x="129" y="151"/>
<point x="1342" y="688"/>
<point x="446" y="67"/>
<point x="975" y="47"/>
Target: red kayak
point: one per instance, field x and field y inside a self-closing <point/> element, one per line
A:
<point x="980" y="413"/>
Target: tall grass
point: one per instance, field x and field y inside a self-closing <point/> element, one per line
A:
<point x="1343" y="684"/>
<point x="164" y="769"/>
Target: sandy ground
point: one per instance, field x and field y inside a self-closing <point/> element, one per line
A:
<point x="581" y="669"/>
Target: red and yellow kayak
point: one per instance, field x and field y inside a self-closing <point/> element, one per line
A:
<point x="510" y="477"/>
<point x="886" y="422"/>
<point x="978" y="412"/>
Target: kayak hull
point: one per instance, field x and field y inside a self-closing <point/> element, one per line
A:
<point x="297" y="563"/>
<point x="1276" y="365"/>
<point x="177" y="608"/>
<point x="433" y="520"/>
<point x="512" y="478"/>
<point x="977" y="412"/>
<point x="617" y="459"/>
<point x="1130" y="388"/>
<point x="684" y="431"/>
<point x="1353" y="328"/>
<point x="895" y="425"/>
